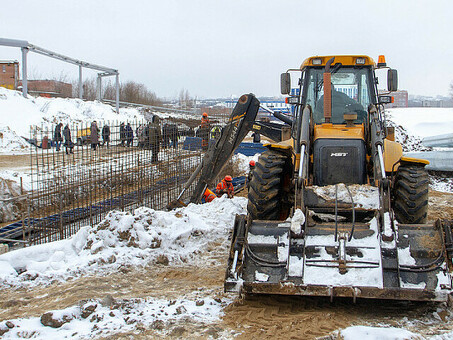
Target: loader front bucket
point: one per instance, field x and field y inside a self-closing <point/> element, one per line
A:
<point x="266" y="258"/>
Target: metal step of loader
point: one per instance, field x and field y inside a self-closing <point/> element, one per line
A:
<point x="270" y="260"/>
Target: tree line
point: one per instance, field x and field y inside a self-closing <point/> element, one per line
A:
<point x="129" y="91"/>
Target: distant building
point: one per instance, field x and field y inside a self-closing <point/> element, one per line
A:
<point x="49" y="88"/>
<point x="9" y="74"/>
<point x="432" y="103"/>
<point x="425" y="101"/>
<point x="400" y="98"/>
<point x="274" y="104"/>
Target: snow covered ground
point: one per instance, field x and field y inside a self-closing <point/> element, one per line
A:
<point x="17" y="114"/>
<point x="148" y="238"/>
<point x="423" y="121"/>
<point x="122" y="238"/>
<point x="133" y="239"/>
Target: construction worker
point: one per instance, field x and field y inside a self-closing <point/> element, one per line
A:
<point x="94" y="135"/>
<point x="208" y="196"/>
<point x="205" y="128"/>
<point x="256" y="137"/>
<point x="106" y="135"/>
<point x="250" y="174"/>
<point x="154" y="138"/>
<point x="215" y="132"/>
<point x="225" y="186"/>
<point x="69" y="145"/>
<point x="57" y="136"/>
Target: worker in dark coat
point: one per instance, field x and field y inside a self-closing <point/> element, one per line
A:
<point x="129" y="134"/>
<point x="225" y="186"/>
<point x="94" y="135"/>
<point x="174" y="135"/>
<point x="69" y="145"/>
<point x="155" y="138"/>
<point x="122" y="134"/>
<point x="256" y="137"/>
<point x="165" y="136"/>
<point x="57" y="136"/>
<point x="106" y="135"/>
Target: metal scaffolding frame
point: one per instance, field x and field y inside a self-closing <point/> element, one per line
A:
<point x="25" y="47"/>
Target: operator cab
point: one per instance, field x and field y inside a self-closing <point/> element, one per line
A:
<point x="350" y="94"/>
<point x="339" y="147"/>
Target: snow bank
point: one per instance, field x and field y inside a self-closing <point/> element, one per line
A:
<point x="73" y="110"/>
<point x="423" y="121"/>
<point x="11" y="142"/>
<point x="376" y="333"/>
<point x="146" y="236"/>
<point x="15" y="176"/>
<point x="242" y="162"/>
<point x="98" y="318"/>
<point x="441" y="183"/>
<point x="17" y="114"/>
<point x="9" y="209"/>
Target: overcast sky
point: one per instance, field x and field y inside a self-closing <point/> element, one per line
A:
<point x="218" y="48"/>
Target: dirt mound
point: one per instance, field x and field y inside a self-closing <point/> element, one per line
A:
<point x="440" y="205"/>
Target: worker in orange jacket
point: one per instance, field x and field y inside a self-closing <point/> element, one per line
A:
<point x="225" y="187"/>
<point x="208" y="196"/>
<point x="205" y="128"/>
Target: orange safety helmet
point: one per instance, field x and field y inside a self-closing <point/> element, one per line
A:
<point x="252" y="163"/>
<point x="205" y="114"/>
<point x="228" y="178"/>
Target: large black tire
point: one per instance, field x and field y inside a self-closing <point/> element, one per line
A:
<point x="266" y="192"/>
<point x="410" y="194"/>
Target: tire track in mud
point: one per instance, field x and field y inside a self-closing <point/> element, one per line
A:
<point x="152" y="281"/>
<point x="295" y="317"/>
<point x="284" y="317"/>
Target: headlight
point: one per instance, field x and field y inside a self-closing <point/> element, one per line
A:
<point x="360" y="61"/>
<point x="317" y="61"/>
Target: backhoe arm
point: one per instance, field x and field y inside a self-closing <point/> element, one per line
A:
<point x="218" y="154"/>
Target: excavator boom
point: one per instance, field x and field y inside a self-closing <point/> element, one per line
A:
<point x="218" y="154"/>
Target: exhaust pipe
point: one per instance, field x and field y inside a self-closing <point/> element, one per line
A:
<point x="328" y="92"/>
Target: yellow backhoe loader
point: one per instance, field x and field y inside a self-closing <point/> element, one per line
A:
<point x="334" y="207"/>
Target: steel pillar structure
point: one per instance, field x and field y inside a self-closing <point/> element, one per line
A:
<point x="26" y="46"/>
<point x="117" y="80"/>
<point x="80" y="82"/>
<point x="99" y="87"/>
<point x="24" y="72"/>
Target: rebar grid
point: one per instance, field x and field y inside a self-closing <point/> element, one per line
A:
<point x="80" y="183"/>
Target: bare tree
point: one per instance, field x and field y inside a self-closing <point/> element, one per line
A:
<point x="61" y="86"/>
<point x="129" y="91"/>
<point x="132" y="92"/>
<point x="184" y="99"/>
<point x="89" y="89"/>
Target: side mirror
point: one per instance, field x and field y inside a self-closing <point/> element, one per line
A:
<point x="392" y="80"/>
<point x="386" y="100"/>
<point x="285" y="83"/>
